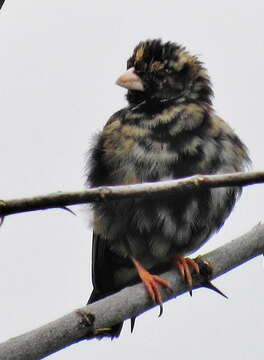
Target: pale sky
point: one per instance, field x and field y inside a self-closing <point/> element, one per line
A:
<point x="59" y="60"/>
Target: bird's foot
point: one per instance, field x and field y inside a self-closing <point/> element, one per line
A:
<point x="186" y="267"/>
<point x="152" y="284"/>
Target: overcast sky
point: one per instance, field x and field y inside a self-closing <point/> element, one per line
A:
<point x="59" y="60"/>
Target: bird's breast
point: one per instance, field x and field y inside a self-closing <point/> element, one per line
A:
<point x="137" y="154"/>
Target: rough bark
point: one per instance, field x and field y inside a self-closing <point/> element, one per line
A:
<point x="155" y="189"/>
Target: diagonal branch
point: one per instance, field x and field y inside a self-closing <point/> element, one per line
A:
<point x="130" y="302"/>
<point x="155" y="189"/>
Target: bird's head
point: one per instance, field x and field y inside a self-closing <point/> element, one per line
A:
<point x="162" y="71"/>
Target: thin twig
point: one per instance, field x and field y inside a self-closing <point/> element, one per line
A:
<point x="155" y="189"/>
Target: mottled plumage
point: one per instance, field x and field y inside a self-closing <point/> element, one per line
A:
<point x="168" y="131"/>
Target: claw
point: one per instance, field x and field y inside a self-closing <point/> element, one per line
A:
<point x="184" y="266"/>
<point x="152" y="284"/>
<point x="132" y="324"/>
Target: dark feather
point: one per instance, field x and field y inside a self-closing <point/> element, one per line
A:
<point x="103" y="269"/>
<point x="168" y="131"/>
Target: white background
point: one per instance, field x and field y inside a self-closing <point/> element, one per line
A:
<point x="59" y="60"/>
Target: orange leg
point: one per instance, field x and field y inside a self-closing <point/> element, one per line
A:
<point x="152" y="283"/>
<point x="185" y="266"/>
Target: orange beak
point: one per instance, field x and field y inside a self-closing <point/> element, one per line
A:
<point x="130" y="80"/>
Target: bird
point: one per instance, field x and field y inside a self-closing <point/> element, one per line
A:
<point x="168" y="130"/>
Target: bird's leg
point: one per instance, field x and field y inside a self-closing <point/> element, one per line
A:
<point x="185" y="267"/>
<point x="152" y="283"/>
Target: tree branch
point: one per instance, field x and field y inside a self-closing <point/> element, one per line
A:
<point x="155" y="189"/>
<point x="130" y="302"/>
